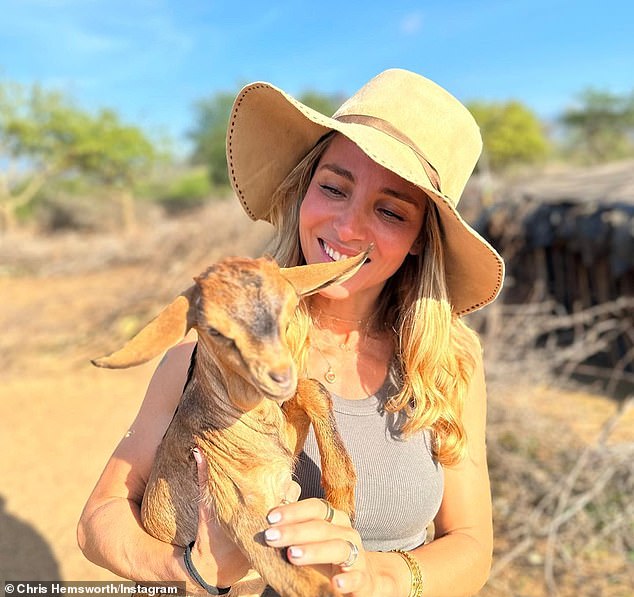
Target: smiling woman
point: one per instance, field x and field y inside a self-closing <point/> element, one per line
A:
<point x="351" y="205"/>
<point x="405" y="372"/>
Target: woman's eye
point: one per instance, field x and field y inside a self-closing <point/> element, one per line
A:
<point x="334" y="191"/>
<point x="390" y="215"/>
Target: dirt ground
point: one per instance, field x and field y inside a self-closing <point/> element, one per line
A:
<point x="60" y="418"/>
<point x="65" y="300"/>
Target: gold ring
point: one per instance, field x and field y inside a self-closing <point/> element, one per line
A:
<point x="352" y="558"/>
<point x="330" y="511"/>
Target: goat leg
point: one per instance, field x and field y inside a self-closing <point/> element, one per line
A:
<point x="297" y="421"/>
<point x="338" y="476"/>
<point x="245" y="527"/>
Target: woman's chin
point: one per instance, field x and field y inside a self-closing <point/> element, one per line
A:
<point x="336" y="292"/>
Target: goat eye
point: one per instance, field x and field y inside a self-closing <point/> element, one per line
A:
<point x="214" y="333"/>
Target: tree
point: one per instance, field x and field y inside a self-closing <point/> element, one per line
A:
<point x="601" y="126"/>
<point x="211" y="117"/>
<point x="324" y="103"/>
<point x="511" y="134"/>
<point x="43" y="135"/>
<point x="116" y="155"/>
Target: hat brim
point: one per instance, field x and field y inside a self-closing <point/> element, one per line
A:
<point x="270" y="132"/>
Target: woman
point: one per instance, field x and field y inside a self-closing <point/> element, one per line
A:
<point x="405" y="372"/>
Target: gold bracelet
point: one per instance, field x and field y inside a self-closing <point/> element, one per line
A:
<point x="416" y="589"/>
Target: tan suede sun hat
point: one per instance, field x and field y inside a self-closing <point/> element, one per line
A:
<point x="402" y="121"/>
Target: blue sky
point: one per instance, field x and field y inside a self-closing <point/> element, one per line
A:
<point x="151" y="60"/>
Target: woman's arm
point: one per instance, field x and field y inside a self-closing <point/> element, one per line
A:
<point x="458" y="561"/>
<point x="110" y="532"/>
<point x="455" y="564"/>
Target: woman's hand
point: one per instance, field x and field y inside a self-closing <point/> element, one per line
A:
<point x="215" y="556"/>
<point x="218" y="560"/>
<point x="334" y="547"/>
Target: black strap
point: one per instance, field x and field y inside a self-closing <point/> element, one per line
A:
<point x="192" y="362"/>
<point x="191" y="569"/>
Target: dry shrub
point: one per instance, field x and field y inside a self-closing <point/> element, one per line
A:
<point x="563" y="508"/>
<point x="564" y="516"/>
<point x="68" y="297"/>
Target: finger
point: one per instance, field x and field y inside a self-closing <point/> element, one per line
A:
<point x="350" y="581"/>
<point x="203" y="477"/>
<point x="305" y="510"/>
<point x="292" y="492"/>
<point x="333" y="551"/>
<point x="313" y="531"/>
<point x="201" y="468"/>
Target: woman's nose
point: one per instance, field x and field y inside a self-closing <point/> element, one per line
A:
<point x="350" y="223"/>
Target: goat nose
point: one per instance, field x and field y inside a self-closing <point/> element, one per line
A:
<point x="281" y="377"/>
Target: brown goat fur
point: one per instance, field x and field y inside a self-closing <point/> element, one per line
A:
<point x="242" y="372"/>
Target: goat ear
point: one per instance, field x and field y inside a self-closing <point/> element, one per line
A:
<point x="309" y="279"/>
<point x="165" y="330"/>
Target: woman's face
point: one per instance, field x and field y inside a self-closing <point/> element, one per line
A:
<point x="352" y="203"/>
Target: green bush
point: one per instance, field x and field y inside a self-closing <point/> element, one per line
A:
<point x="187" y="191"/>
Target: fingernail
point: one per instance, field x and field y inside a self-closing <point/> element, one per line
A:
<point x="340" y="582"/>
<point x="197" y="457"/>
<point x="295" y="552"/>
<point x="274" y="517"/>
<point x="272" y="534"/>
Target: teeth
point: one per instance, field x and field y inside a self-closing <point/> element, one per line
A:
<point x="334" y="255"/>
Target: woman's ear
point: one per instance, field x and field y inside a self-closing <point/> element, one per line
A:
<point x="430" y="210"/>
<point x="416" y="245"/>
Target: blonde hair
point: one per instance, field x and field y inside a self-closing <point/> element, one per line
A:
<point x="434" y="348"/>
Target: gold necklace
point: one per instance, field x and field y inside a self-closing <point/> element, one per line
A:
<point x="366" y="320"/>
<point x="364" y="325"/>
<point x="330" y="375"/>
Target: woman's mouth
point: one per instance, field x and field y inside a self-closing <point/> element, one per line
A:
<point x="333" y="253"/>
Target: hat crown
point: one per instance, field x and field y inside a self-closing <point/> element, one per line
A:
<point x="437" y="124"/>
<point x="404" y="123"/>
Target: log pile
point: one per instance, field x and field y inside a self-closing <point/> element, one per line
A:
<point x="568" y="242"/>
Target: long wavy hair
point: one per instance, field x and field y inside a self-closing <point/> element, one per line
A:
<point x="434" y="348"/>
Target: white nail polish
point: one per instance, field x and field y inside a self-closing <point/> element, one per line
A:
<point x="295" y="552"/>
<point x="272" y="534"/>
<point x="274" y="517"/>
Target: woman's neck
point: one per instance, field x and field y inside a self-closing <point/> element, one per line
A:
<point x="343" y="316"/>
<point x="349" y="348"/>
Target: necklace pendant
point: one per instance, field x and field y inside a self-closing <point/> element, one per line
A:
<point x="330" y="376"/>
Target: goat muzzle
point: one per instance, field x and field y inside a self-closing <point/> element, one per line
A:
<point x="281" y="384"/>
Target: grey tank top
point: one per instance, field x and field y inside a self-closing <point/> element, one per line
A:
<point x="399" y="484"/>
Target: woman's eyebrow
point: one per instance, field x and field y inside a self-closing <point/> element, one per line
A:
<point x="400" y="195"/>
<point x="339" y="170"/>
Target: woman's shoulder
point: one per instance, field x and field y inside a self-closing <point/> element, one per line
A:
<point x="168" y="380"/>
<point x="178" y="357"/>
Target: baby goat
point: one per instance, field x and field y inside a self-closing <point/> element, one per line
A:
<point x="241" y="373"/>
